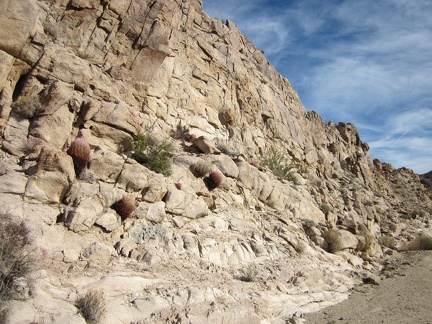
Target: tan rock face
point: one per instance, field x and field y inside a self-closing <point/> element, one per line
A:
<point x="110" y="70"/>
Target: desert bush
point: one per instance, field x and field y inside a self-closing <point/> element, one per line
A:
<point x="425" y="242"/>
<point x="309" y="223"/>
<point x="388" y="241"/>
<point x="125" y="207"/>
<point x="91" y="306"/>
<point x="325" y="208"/>
<point x="300" y="247"/>
<point x="180" y="132"/>
<point x="333" y="240"/>
<point x="200" y="169"/>
<point x="368" y="239"/>
<point x="214" y="180"/>
<point x="277" y="162"/>
<point x="152" y="153"/>
<point x="27" y="106"/>
<point x="249" y="274"/>
<point x="17" y="259"/>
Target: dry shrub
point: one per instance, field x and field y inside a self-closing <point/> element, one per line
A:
<point x="333" y="240"/>
<point x="388" y="241"/>
<point x="91" y="306"/>
<point x="17" y="259"/>
<point x="423" y="242"/>
<point x="200" y="169"/>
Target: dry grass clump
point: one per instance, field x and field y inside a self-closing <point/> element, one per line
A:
<point x="27" y="106"/>
<point x="423" y="242"/>
<point x="200" y="169"/>
<point x="333" y="240"/>
<point x="388" y="241"/>
<point x="17" y="259"/>
<point x="91" y="306"/>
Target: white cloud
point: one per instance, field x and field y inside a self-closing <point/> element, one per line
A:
<point x="367" y="62"/>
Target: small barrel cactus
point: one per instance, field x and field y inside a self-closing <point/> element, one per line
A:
<point x="214" y="180"/>
<point x="80" y="152"/>
<point x="125" y="207"/>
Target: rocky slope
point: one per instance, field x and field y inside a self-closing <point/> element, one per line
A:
<point x="104" y="72"/>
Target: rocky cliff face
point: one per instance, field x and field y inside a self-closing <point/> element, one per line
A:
<point x="104" y="72"/>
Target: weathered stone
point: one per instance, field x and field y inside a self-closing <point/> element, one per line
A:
<point x="106" y="165"/>
<point x="53" y="177"/>
<point x="83" y="216"/>
<point x="108" y="221"/>
<point x="154" y="212"/>
<point x="347" y="240"/>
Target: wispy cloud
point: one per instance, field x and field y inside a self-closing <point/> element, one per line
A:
<point x="366" y="62"/>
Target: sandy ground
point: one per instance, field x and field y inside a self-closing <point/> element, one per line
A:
<point x="404" y="297"/>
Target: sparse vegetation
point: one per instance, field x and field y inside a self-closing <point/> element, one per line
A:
<point x="181" y="132"/>
<point x="152" y="153"/>
<point x="249" y="274"/>
<point x="325" y="208"/>
<point x="388" y="241"/>
<point x="277" y="162"/>
<point x="368" y="239"/>
<point x="91" y="306"/>
<point x="425" y="242"/>
<point x="200" y="169"/>
<point x="27" y="106"/>
<point x="333" y="240"/>
<point x="300" y="247"/>
<point x="309" y="223"/>
<point x="17" y="258"/>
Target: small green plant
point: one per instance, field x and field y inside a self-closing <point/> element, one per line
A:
<point x="309" y="223"/>
<point x="333" y="240"/>
<point x="249" y="274"/>
<point x="325" y="208"/>
<point x="425" y="242"/>
<point x="91" y="306"/>
<point x="154" y="154"/>
<point x="181" y="132"/>
<point x="17" y="259"/>
<point x="200" y="169"/>
<point x="407" y="216"/>
<point x="388" y="241"/>
<point x="277" y="162"/>
<point x="27" y="106"/>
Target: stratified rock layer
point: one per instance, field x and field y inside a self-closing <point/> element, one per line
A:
<point x="107" y="71"/>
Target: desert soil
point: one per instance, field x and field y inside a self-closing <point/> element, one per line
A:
<point x="404" y="295"/>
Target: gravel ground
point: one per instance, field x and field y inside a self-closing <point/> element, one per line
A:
<point x="404" y="297"/>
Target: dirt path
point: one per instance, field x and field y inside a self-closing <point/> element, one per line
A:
<point x="406" y="297"/>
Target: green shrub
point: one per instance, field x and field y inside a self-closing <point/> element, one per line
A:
<point x="91" y="306"/>
<point x="27" y="106"/>
<point x="325" y="208"/>
<point x="277" y="162"/>
<point x="333" y="240"/>
<point x="181" y="132"/>
<point x="425" y="242"/>
<point x="17" y="259"/>
<point x="388" y="241"/>
<point x="309" y="223"/>
<point x="154" y="154"/>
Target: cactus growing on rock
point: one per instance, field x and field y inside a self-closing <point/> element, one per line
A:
<point x="125" y="207"/>
<point x="80" y="153"/>
<point x="214" y="180"/>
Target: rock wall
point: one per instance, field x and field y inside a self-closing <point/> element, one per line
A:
<point x="106" y="71"/>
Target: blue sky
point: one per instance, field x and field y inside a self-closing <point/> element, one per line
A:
<point x="368" y="62"/>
